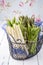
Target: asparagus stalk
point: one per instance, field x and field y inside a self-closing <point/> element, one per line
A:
<point x="12" y="32"/>
<point x="18" y="32"/>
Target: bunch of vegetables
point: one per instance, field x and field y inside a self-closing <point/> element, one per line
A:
<point x="29" y="31"/>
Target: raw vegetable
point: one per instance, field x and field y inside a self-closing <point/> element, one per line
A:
<point x="29" y="31"/>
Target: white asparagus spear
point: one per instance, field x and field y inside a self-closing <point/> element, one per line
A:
<point x="15" y="29"/>
<point x="19" y="33"/>
<point x="11" y="31"/>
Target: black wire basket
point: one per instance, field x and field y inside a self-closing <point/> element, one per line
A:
<point x="19" y="51"/>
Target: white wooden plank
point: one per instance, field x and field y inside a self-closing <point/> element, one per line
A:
<point x="15" y="62"/>
<point x="31" y="61"/>
<point x="4" y="48"/>
<point x="1" y="34"/>
<point x="4" y="51"/>
<point x="40" y="56"/>
<point x="4" y="60"/>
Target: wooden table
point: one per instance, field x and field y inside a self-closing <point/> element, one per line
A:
<point x="6" y="59"/>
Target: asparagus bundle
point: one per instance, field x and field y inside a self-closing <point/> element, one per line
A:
<point x="11" y="32"/>
<point x="25" y="30"/>
<point x="18" y="32"/>
<point x="15" y="31"/>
